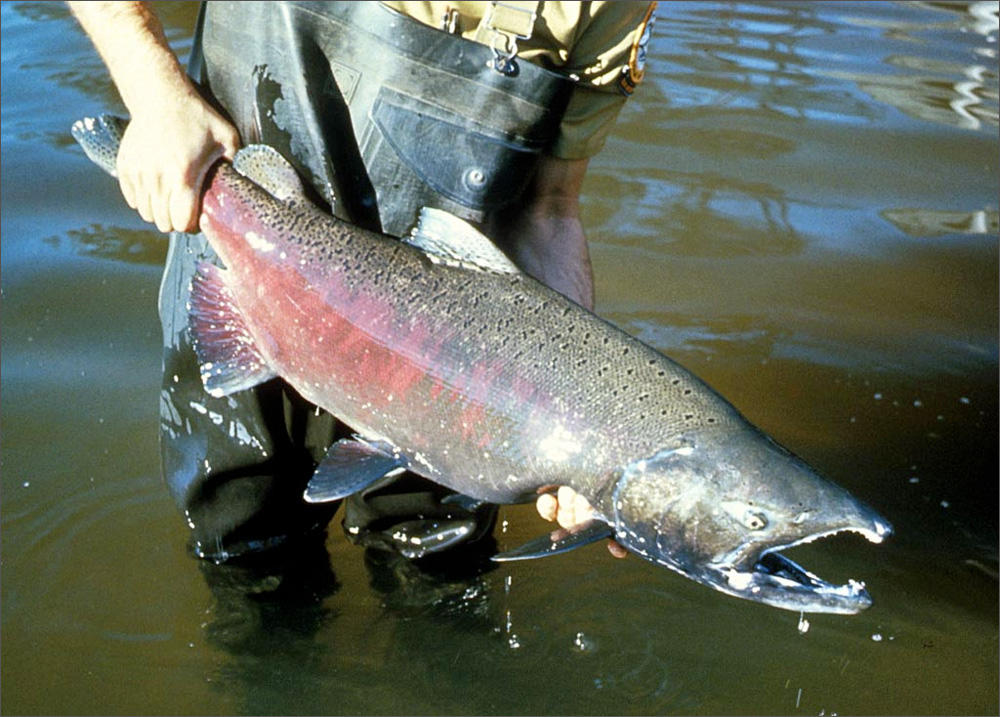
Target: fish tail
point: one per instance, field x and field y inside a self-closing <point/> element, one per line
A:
<point x="100" y="138"/>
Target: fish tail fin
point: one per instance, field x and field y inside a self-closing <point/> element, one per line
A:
<point x="100" y="138"/>
<point x="227" y="354"/>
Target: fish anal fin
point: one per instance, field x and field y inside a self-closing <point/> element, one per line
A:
<point x="228" y="358"/>
<point x="446" y="239"/>
<point x="558" y="541"/>
<point x="351" y="465"/>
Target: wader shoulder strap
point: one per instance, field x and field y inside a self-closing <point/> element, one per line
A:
<point x="503" y="24"/>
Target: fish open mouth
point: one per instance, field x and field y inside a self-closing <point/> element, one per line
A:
<point x="780" y="582"/>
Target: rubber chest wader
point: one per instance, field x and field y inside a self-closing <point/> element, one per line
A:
<point x="382" y="115"/>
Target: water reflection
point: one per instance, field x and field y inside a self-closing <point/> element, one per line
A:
<point x="269" y="602"/>
<point x="446" y="587"/>
<point x="290" y="643"/>
<point x="81" y="70"/>
<point x="702" y="214"/>
<point x="932" y="86"/>
<point x="132" y="246"/>
<point x="755" y="56"/>
<point x="931" y="223"/>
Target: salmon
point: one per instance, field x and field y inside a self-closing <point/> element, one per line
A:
<point x="448" y="361"/>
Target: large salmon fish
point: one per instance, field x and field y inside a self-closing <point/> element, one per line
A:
<point x="448" y="361"/>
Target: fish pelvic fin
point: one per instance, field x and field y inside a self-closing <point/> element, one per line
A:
<point x="228" y="357"/>
<point x="558" y="541"/>
<point x="265" y="167"/>
<point x="351" y="465"/>
<point x="446" y="239"/>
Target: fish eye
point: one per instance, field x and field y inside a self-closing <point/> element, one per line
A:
<point x="754" y="520"/>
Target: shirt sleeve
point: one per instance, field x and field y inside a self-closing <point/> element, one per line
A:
<point x="601" y="44"/>
<point x="608" y="56"/>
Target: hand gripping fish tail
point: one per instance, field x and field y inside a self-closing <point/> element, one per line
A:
<point x="448" y="361"/>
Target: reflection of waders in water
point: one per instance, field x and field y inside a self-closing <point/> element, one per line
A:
<point x="381" y="115"/>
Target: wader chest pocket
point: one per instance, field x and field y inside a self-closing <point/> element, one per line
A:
<point x="466" y="162"/>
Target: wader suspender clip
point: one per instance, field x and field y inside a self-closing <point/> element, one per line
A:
<point x="506" y="23"/>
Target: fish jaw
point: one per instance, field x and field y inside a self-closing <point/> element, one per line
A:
<point x="718" y="509"/>
<point x="775" y="580"/>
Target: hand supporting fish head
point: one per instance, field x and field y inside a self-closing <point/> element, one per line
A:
<point x="718" y="507"/>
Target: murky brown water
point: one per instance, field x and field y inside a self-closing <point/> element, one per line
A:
<point x="800" y="204"/>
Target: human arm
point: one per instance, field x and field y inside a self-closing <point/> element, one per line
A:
<point x="543" y="234"/>
<point x="174" y="135"/>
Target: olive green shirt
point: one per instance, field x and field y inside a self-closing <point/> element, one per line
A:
<point x="600" y="44"/>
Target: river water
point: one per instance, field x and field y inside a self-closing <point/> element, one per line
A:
<point x="799" y="204"/>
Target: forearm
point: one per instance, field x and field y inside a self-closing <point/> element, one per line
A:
<point x="174" y="135"/>
<point x="552" y="247"/>
<point x="130" y="39"/>
<point x="543" y="233"/>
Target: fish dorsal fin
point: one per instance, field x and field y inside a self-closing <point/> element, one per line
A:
<point x="265" y="167"/>
<point x="446" y="239"/>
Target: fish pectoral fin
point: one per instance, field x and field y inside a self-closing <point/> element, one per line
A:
<point x="558" y="541"/>
<point x="228" y="357"/>
<point x="265" y="167"/>
<point x="446" y="239"/>
<point x="349" y="466"/>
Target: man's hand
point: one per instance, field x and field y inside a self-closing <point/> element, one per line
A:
<point x="164" y="157"/>
<point x="174" y="136"/>
<point x="569" y="508"/>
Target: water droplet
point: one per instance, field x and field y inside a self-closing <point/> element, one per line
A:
<point x="583" y="643"/>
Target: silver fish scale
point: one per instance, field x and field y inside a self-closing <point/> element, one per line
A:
<point x="597" y="396"/>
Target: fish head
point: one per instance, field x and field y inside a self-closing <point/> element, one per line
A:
<point x="718" y="508"/>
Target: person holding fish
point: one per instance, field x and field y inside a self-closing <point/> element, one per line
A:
<point x="488" y="110"/>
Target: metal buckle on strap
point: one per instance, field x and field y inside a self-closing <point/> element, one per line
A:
<point x="508" y="23"/>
